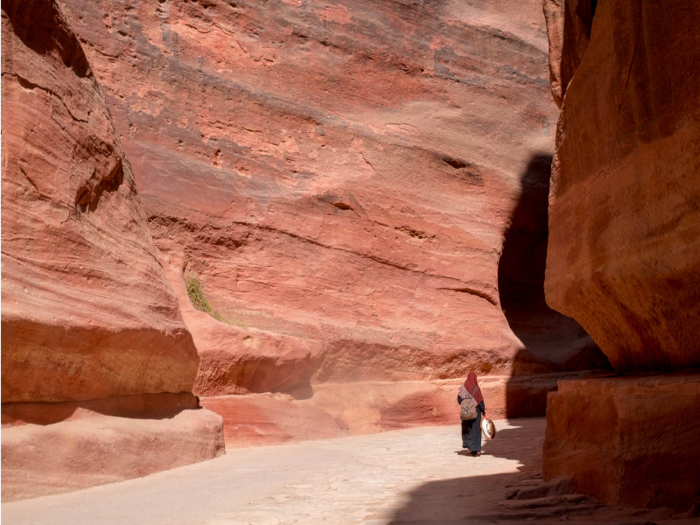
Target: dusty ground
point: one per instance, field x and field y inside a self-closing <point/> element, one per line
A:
<point x="407" y="476"/>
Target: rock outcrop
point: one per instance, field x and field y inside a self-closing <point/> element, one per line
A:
<point x="624" y="255"/>
<point x="87" y="311"/>
<point x="90" y="324"/>
<point x="336" y="179"/>
<point x="628" y="440"/>
<point x="624" y="251"/>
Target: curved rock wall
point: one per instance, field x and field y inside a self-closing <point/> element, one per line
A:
<point x="87" y="310"/>
<point x="624" y="256"/>
<point x="97" y="364"/>
<point x="337" y="176"/>
<point x="624" y="250"/>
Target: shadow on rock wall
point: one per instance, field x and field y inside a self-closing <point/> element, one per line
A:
<point x="553" y="343"/>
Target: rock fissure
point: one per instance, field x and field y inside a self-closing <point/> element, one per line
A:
<point x="29" y="85"/>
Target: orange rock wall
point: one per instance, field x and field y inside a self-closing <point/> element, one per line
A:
<point x="627" y="441"/>
<point x="624" y="256"/>
<point x="338" y="177"/>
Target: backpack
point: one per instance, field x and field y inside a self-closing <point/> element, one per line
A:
<point x="468" y="407"/>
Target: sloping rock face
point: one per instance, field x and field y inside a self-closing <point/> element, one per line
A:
<point x="624" y="256"/>
<point x="90" y="326"/>
<point x="87" y="311"/>
<point x="337" y="176"/>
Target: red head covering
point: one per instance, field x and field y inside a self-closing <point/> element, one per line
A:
<point x="468" y="387"/>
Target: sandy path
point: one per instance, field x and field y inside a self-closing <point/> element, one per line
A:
<point x="407" y="476"/>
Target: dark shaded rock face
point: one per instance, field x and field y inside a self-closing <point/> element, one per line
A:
<point x="338" y="177"/>
<point x="624" y="255"/>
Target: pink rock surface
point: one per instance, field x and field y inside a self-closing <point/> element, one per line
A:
<point x="627" y="441"/>
<point x="339" y="178"/>
<point x="341" y="409"/>
<point x="86" y="309"/>
<point x="624" y="256"/>
<point x="97" y="449"/>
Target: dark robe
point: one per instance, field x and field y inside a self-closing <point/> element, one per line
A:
<point x="471" y="429"/>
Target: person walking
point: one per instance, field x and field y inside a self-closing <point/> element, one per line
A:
<point x="471" y="428"/>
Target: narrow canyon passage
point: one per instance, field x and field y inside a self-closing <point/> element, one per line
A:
<point x="409" y="476"/>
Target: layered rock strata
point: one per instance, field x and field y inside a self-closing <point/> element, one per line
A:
<point x="337" y="178"/>
<point x="337" y="410"/>
<point x="624" y="256"/>
<point x="89" y="321"/>
<point x="87" y="310"/>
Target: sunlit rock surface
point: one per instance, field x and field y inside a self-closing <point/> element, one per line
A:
<point x="623" y="256"/>
<point x="97" y="364"/>
<point x="339" y="179"/>
<point x="627" y="441"/>
<point x="86" y="309"/>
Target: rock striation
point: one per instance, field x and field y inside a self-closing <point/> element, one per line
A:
<point x="87" y="310"/>
<point x="90" y="324"/>
<point x="338" y="179"/>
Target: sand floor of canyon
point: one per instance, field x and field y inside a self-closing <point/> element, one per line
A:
<point x="419" y="475"/>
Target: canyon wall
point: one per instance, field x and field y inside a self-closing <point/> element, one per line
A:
<point x="333" y="182"/>
<point x="87" y="312"/>
<point x="624" y="256"/>
<point x="624" y="249"/>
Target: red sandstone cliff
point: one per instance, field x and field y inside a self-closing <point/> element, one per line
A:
<point x="87" y="313"/>
<point x="339" y="177"/>
<point x="624" y="254"/>
<point x="624" y="248"/>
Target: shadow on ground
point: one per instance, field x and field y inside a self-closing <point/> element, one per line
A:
<point x="477" y="497"/>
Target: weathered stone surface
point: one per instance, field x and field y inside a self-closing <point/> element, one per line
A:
<point x="338" y="177"/>
<point x="624" y="249"/>
<point x="86" y="309"/>
<point x="628" y="441"/>
<point x="355" y="408"/>
<point x="97" y="364"/>
<point x="95" y="449"/>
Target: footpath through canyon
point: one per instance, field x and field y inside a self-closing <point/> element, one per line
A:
<point x="234" y="223"/>
<point x="418" y="476"/>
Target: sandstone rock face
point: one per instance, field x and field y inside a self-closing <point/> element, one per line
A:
<point x="623" y="256"/>
<point x="628" y="441"/>
<point x="86" y="309"/>
<point x="624" y="250"/>
<point x="337" y="410"/>
<point x="338" y="177"/>
<point x="97" y="364"/>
